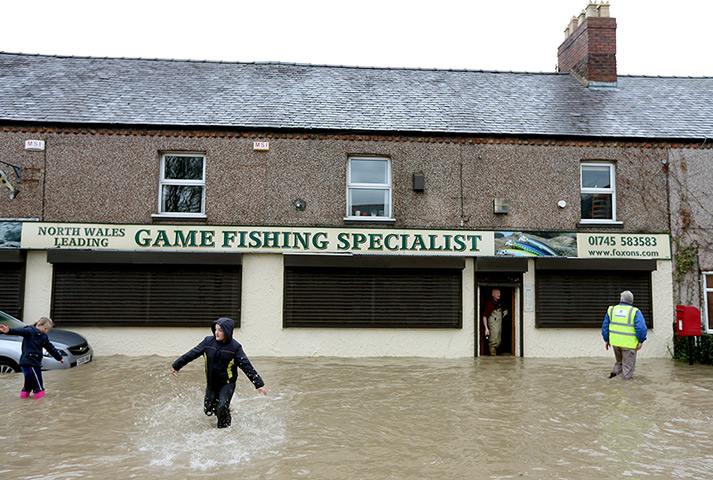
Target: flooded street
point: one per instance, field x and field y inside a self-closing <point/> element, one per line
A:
<point x="392" y="418"/>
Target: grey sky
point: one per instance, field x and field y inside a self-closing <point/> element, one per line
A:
<point x="654" y="37"/>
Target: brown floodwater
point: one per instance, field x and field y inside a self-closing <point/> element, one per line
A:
<point x="385" y="418"/>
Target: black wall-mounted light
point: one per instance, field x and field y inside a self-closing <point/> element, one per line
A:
<point x="419" y="182"/>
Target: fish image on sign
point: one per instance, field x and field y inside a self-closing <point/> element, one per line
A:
<point x="526" y="246"/>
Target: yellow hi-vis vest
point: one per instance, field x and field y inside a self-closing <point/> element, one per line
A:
<point x="621" y="326"/>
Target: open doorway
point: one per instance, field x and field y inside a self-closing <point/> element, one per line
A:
<point x="496" y="310"/>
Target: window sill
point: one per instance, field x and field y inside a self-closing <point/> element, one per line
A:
<point x="599" y="224"/>
<point x="179" y="216"/>
<point x="369" y="219"/>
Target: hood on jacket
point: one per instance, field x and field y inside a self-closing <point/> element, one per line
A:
<point x="227" y="324"/>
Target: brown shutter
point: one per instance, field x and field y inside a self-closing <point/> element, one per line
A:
<point x="145" y="295"/>
<point x="570" y="298"/>
<point x="349" y="297"/>
<point x="11" y="282"/>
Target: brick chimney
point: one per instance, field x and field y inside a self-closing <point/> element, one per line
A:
<point x="589" y="49"/>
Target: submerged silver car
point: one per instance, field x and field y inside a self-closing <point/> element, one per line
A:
<point x="74" y="348"/>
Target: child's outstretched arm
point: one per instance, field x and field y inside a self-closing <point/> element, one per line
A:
<point x="22" y="332"/>
<point x="187" y="357"/>
<point x="53" y="351"/>
<point x="244" y="364"/>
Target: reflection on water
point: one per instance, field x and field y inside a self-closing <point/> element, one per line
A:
<point x="392" y="418"/>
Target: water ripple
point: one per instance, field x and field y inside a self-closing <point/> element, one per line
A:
<point x="326" y="418"/>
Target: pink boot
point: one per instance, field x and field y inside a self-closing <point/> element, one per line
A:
<point x="39" y="395"/>
<point x="24" y="394"/>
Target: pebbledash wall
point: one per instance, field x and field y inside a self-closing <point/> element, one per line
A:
<point x="262" y="330"/>
<point x="114" y="188"/>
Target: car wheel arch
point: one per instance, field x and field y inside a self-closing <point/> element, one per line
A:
<point x="8" y="363"/>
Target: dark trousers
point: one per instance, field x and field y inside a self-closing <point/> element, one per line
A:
<point x="33" y="379"/>
<point x="217" y="401"/>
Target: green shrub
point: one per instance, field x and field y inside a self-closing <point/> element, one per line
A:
<point x="702" y="349"/>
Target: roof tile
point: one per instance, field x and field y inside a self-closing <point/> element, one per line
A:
<point x="80" y="90"/>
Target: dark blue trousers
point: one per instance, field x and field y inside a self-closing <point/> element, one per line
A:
<point x="33" y="379"/>
<point x="217" y="402"/>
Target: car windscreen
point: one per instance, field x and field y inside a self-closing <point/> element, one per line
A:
<point x="10" y="321"/>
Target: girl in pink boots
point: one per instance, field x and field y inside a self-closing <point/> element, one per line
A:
<point x="34" y="339"/>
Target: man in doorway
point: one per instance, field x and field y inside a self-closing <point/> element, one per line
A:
<point x="624" y="328"/>
<point x="493" y="320"/>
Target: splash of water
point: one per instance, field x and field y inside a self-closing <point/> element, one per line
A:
<point x="176" y="433"/>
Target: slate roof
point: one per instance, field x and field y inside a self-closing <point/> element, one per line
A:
<point x="173" y="93"/>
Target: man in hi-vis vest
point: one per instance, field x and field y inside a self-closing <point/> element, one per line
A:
<point x="625" y="330"/>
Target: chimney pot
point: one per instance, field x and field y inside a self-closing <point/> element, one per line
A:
<point x="592" y="10"/>
<point x="604" y="9"/>
<point x="573" y="25"/>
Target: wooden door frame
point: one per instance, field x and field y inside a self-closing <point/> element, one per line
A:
<point x="482" y="347"/>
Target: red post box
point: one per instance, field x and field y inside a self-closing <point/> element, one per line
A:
<point x="688" y="321"/>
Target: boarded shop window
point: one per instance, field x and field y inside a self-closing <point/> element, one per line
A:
<point x="11" y="282"/>
<point x="368" y="188"/>
<point x="182" y="189"/>
<point x="372" y="297"/>
<point x="145" y="295"/>
<point x="598" y="192"/>
<point x="571" y="298"/>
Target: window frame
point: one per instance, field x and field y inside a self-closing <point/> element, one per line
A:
<point x="602" y="191"/>
<point x="388" y="215"/>
<point x="178" y="182"/>
<point x="706" y="290"/>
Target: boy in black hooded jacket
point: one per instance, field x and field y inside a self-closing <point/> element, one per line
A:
<point x="223" y="355"/>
